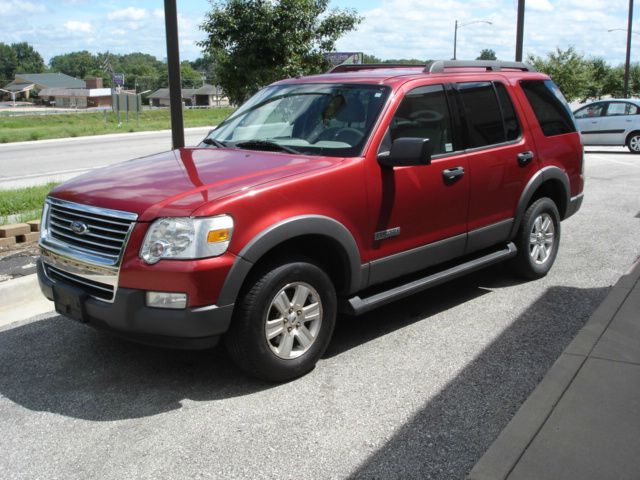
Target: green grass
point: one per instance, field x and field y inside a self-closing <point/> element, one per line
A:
<point x="38" y="127"/>
<point x="23" y="204"/>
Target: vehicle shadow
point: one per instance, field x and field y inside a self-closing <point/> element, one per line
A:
<point x="350" y="332"/>
<point x="452" y="431"/>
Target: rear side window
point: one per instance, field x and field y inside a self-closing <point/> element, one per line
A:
<point x="424" y="113"/>
<point x="483" y="114"/>
<point x="511" y="125"/>
<point x="491" y="117"/>
<point x="549" y="106"/>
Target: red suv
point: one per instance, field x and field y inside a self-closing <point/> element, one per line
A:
<point x="331" y="193"/>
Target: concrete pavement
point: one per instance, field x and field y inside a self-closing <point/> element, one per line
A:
<point x="582" y="421"/>
<point x="24" y="164"/>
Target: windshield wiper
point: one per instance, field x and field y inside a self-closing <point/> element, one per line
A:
<point x="213" y="141"/>
<point x="267" y="145"/>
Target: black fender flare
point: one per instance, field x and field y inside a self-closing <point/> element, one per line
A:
<point x="545" y="174"/>
<point x="285" y="230"/>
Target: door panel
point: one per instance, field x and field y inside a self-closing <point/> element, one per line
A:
<point x="412" y="207"/>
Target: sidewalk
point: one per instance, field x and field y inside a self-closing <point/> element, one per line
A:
<point x="582" y="421"/>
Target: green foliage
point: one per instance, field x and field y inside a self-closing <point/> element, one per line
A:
<point x="23" y="200"/>
<point x="487" y="54"/>
<point x="255" y="42"/>
<point x="8" y="63"/>
<point x="189" y="77"/>
<point x="568" y="69"/>
<point x="28" y="60"/>
<point x="78" y="124"/>
<point x="76" y="64"/>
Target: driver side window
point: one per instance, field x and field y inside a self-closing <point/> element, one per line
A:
<point x="424" y="113"/>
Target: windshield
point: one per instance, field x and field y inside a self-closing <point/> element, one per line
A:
<point x="318" y="119"/>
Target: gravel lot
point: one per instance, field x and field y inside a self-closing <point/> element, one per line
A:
<point x="417" y="389"/>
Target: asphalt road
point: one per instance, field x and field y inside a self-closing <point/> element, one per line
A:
<point x="31" y="163"/>
<point x="418" y="389"/>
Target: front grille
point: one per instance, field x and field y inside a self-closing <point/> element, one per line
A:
<point x="93" y="288"/>
<point x="105" y="235"/>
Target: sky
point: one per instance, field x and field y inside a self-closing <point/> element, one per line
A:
<point x="420" y="29"/>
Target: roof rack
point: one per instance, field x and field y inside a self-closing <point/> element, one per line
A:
<point x="354" y="67"/>
<point x="438" y="66"/>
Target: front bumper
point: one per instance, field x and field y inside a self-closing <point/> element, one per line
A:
<point x="128" y="316"/>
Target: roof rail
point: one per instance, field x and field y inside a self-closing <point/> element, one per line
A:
<point x="354" y="67"/>
<point x="438" y="66"/>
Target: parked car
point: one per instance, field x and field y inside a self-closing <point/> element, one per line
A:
<point x="614" y="122"/>
<point x="332" y="193"/>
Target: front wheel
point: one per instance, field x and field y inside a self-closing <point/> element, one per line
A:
<point x="538" y="239"/>
<point x="284" y="322"/>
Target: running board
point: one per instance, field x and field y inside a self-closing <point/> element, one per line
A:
<point x="358" y="306"/>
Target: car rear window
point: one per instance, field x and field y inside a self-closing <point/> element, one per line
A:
<point x="549" y="106"/>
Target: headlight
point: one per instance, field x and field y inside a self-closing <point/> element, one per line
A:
<point x="187" y="238"/>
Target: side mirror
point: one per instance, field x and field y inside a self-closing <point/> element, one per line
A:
<point x="407" y="152"/>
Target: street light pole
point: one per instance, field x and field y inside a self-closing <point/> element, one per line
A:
<point x="628" y="59"/>
<point x="173" y="63"/>
<point x="455" y="33"/>
<point x="520" y="31"/>
<point x="455" y="39"/>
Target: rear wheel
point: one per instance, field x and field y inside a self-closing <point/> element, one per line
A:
<point x="538" y="239"/>
<point x="284" y="321"/>
<point x="633" y="142"/>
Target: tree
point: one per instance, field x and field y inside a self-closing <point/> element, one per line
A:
<point x="8" y="63"/>
<point x="77" y="64"/>
<point x="568" y="69"/>
<point x="28" y="60"/>
<point x="487" y="54"/>
<point x="255" y="42"/>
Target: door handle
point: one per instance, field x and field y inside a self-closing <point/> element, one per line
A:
<point x="524" y="158"/>
<point x="450" y="175"/>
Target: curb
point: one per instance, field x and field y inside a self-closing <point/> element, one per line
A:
<point x="505" y="452"/>
<point x="19" y="290"/>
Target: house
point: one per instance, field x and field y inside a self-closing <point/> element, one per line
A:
<point x="26" y="82"/>
<point x="205" y="96"/>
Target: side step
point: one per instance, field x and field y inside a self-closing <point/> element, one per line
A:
<point x="358" y="306"/>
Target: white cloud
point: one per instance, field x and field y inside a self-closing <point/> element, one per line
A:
<point x="129" y="13"/>
<point x="424" y="30"/>
<point x="540" y="5"/>
<point x="76" y="26"/>
<point x="12" y="7"/>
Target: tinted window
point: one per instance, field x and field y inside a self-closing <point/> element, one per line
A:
<point x="424" y="113"/>
<point x="511" y="125"/>
<point x="594" y="110"/>
<point x="549" y="106"/>
<point x="482" y="110"/>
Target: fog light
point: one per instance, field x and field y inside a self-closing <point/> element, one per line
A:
<point x="166" y="300"/>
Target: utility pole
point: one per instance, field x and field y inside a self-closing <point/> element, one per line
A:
<point x="455" y="40"/>
<point x="628" y="59"/>
<point x="173" y="63"/>
<point x="520" y="31"/>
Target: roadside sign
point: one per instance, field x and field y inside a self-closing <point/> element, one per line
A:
<point x="338" y="58"/>
<point x="118" y="79"/>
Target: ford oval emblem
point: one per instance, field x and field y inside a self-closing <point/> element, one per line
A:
<point x="79" y="228"/>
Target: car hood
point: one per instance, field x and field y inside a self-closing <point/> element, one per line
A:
<point x="176" y="183"/>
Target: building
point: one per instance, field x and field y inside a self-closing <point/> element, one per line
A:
<point x="94" y="95"/>
<point x="205" y="96"/>
<point x="25" y="83"/>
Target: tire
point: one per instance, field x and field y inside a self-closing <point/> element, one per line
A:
<point x="537" y="240"/>
<point x="283" y="322"/>
<point x="633" y="142"/>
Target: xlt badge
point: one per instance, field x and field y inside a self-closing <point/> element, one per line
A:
<point x="392" y="232"/>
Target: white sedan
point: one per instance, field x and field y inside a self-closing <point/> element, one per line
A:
<point x="610" y="122"/>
